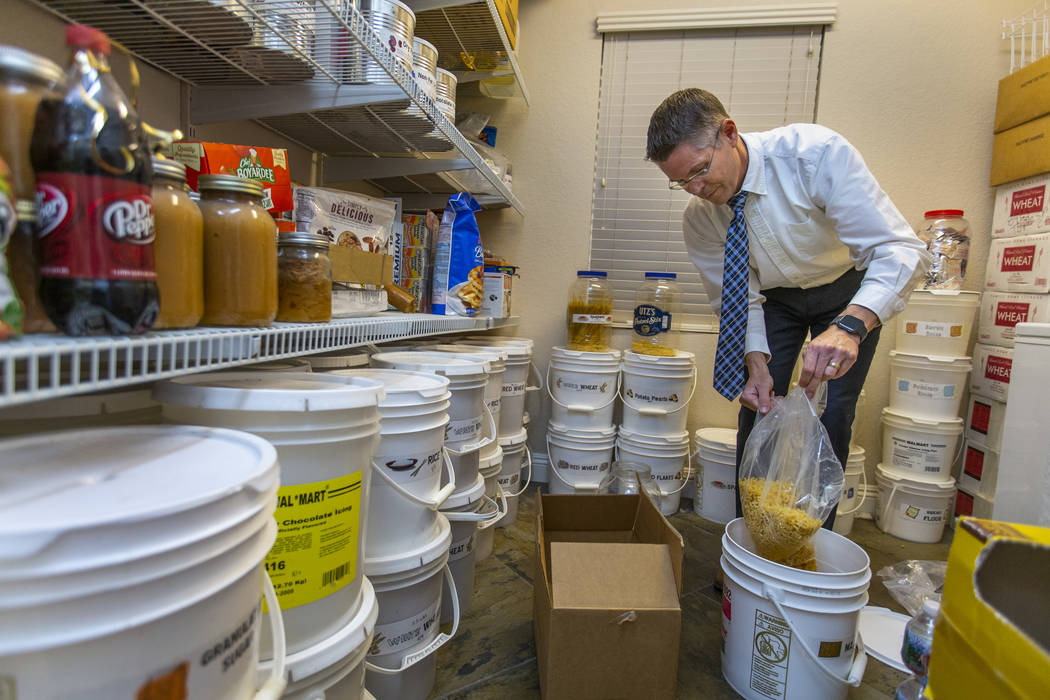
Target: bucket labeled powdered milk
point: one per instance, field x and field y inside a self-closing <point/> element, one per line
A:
<point x="112" y="536"/>
<point x="656" y="392"/>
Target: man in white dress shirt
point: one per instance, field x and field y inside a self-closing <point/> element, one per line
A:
<point x="827" y="253"/>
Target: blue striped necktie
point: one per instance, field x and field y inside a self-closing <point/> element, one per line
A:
<point x="732" y="326"/>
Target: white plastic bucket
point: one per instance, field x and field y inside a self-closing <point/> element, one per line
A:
<point x="852" y="493"/>
<point x="928" y="385"/>
<point x="516" y="456"/>
<point x="515" y="378"/>
<point x="497" y="359"/>
<point x="342" y="359"/>
<point x="937" y="322"/>
<point x="789" y="633"/>
<point x="466" y="511"/>
<point x="334" y="668"/>
<point x="100" y="410"/>
<point x="289" y="364"/>
<point x="666" y="455"/>
<point x="910" y="509"/>
<point x="579" y="459"/>
<point x="325" y="429"/>
<point x="489" y="469"/>
<point x="400" y="662"/>
<point x="582" y="387"/>
<point x="716" y="474"/>
<point x="656" y="392"/>
<point x="112" y="536"/>
<point x="922" y="448"/>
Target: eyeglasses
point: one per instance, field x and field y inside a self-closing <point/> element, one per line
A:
<point x="681" y="184"/>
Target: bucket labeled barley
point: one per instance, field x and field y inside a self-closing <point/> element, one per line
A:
<point x="656" y="391"/>
<point x="579" y="459"/>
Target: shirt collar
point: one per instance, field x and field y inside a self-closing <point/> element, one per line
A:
<point x="755" y="177"/>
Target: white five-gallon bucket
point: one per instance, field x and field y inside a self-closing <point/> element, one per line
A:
<point x="342" y="359"/>
<point x="579" y="459"/>
<point x="516" y="456"/>
<point x="401" y="662"/>
<point x="656" y="392"/>
<point x="852" y="493"/>
<point x="101" y="410"/>
<point x="922" y="448"/>
<point x="787" y="633"/>
<point x="666" y="455"/>
<point x="515" y="378"/>
<point x="325" y="429"/>
<point x="490" y="469"/>
<point x="582" y="387"/>
<point x="333" y="669"/>
<point x="290" y="364"/>
<point x="466" y="511"/>
<point x="928" y="385"/>
<point x="409" y="461"/>
<point x="937" y="322"/>
<point x="716" y="474"/>
<point x="114" y="537"/>
<point x="911" y="509"/>
<point x="497" y="359"/>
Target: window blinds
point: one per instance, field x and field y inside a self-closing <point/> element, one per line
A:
<point x="766" y="77"/>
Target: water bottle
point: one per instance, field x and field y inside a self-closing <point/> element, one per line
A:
<point x="915" y="651"/>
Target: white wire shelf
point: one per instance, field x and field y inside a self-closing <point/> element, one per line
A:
<point x="49" y="366"/>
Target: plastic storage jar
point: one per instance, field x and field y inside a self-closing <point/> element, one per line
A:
<point x="590" y="312"/>
<point x="947" y="236"/>
<point x="178" y="247"/>
<point x="240" y="253"/>
<point x="304" y="278"/>
<point x="656" y="308"/>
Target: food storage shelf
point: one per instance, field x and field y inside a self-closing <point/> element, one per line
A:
<point x="48" y="366"/>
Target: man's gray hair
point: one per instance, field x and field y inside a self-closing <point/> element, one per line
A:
<point x="690" y="114"/>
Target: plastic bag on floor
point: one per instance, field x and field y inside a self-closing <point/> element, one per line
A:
<point x="914" y="580"/>
<point x="790" y="480"/>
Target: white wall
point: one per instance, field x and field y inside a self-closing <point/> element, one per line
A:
<point x="911" y="84"/>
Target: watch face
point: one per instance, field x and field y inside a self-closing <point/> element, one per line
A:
<point x="853" y="325"/>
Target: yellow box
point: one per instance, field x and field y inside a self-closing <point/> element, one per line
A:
<point x="1022" y="151"/>
<point x="992" y="637"/>
<point x="508" y="12"/>
<point x="1023" y="95"/>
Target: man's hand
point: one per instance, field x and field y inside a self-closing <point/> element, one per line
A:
<point x="758" y="392"/>
<point x="833" y="352"/>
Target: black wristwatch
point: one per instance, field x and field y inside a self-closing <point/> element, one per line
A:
<point x="852" y="324"/>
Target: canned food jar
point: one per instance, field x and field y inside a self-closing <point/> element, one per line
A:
<point x="178" y="247"/>
<point x="304" y="278"/>
<point x="590" y="312"/>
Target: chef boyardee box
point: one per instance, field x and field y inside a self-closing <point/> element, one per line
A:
<point x="605" y="598"/>
<point x="268" y="166"/>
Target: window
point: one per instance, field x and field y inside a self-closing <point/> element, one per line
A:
<point x="765" y="76"/>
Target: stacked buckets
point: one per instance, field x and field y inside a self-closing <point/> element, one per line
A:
<point x="715" y="450"/>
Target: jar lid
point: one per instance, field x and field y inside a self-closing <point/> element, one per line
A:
<point x="165" y="167"/>
<point x="944" y="213"/>
<point x="591" y="273"/>
<point x="661" y="275"/>
<point x="315" y="240"/>
<point x="16" y="61"/>
<point x="230" y="183"/>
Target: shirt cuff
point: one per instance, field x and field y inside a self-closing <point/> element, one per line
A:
<point x="883" y="303"/>
<point x="755" y="339"/>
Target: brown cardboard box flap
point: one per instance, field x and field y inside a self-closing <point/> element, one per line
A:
<point x="612" y="576"/>
<point x="359" y="267"/>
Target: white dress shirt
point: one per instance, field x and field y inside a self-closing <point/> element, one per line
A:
<point x="814" y="212"/>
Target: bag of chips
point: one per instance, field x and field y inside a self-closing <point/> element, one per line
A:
<point x="459" y="260"/>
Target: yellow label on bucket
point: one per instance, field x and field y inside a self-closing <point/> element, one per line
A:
<point x="315" y="554"/>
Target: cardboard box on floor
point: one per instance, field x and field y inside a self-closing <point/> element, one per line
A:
<point x="605" y="598"/>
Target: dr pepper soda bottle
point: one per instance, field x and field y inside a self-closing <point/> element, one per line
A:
<point x="95" y="219"/>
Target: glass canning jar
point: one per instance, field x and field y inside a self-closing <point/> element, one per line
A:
<point x="657" y="313"/>
<point x="590" y="312"/>
<point x="178" y="247"/>
<point x="947" y="236"/>
<point x="240" y="253"/>
<point x="304" y="278"/>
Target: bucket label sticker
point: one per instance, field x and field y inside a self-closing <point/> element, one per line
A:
<point x="921" y="514"/>
<point x="651" y="320"/>
<point x="769" y="656"/>
<point x="651" y="398"/>
<point x="926" y="390"/>
<point x="600" y="387"/>
<point x="315" y="554"/>
<point x="513" y="389"/>
<point x="511" y="480"/>
<point x="463" y="429"/>
<point x="493" y="405"/>
<point x="407" y="468"/>
<point x="920" y="457"/>
<point x="600" y="319"/>
<point x="405" y="634"/>
<point x="933" y="329"/>
<point x="593" y="467"/>
<point x="461" y="548"/>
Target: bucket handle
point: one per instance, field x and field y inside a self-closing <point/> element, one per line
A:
<point x="441" y="496"/>
<point x="886" y="508"/>
<point x="274" y="686"/>
<point x="863" y="488"/>
<point x="650" y="411"/>
<point x="533" y="374"/>
<point x="485" y="440"/>
<point x="554" y="469"/>
<point x="685" y="481"/>
<point x="483" y="520"/>
<point x="528" y="464"/>
<point x="486" y="524"/>
<point x="410" y="660"/>
<point x="577" y="408"/>
<point x="860" y="656"/>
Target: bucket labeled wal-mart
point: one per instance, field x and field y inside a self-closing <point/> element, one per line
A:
<point x="912" y="509"/>
<point x="656" y="391"/>
<point x="579" y="459"/>
<point x="937" y="322"/>
<point x="516" y="456"/>
<point x="667" y="457"/>
<point x="789" y="634"/>
<point x="582" y="387"/>
<point x="928" y="385"/>
<point x="715" y="474"/>
<point x="923" y="448"/>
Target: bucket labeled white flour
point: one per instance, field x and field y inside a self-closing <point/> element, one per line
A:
<point x="922" y="448"/>
<point x="937" y="322"/>
<point x="715" y="474"/>
<point x="789" y="634"/>
<point x="490" y="469"/>
<point x="656" y="391"/>
<point x="516" y="456"/>
<point x="466" y="511"/>
<point x="515" y="378"/>
<point x="911" y="509"/>
<point x="497" y="359"/>
<point x="579" y="459"/>
<point x="112" y="536"/>
<point x="325" y="429"/>
<point x="928" y="385"/>
<point x="667" y="457"/>
<point x="853" y="494"/>
<point x="582" y="387"/>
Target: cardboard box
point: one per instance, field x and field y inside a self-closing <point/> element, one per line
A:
<point x="508" y="12"/>
<point x="1002" y="311"/>
<point x="498" y="282"/>
<point x="268" y="166"/>
<point x="606" y="613"/>
<point x="990" y="377"/>
<point x="984" y="421"/>
<point x="992" y="635"/>
<point x="980" y="469"/>
<point x="1021" y="152"/>
<point x="1019" y="264"/>
<point x="1023" y="95"/>
<point x="1021" y="208"/>
<point x="358" y="267"/>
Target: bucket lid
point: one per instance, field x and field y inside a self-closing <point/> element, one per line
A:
<point x="55" y="484"/>
<point x="465" y="499"/>
<point x="681" y="358"/>
<point x="561" y="353"/>
<point x="290" y="364"/>
<point x="402" y="387"/>
<point x="514" y="440"/>
<point x="401" y="561"/>
<point x="931" y="424"/>
<point x="717" y="438"/>
<point x="950" y="295"/>
<point x="498" y="353"/>
<point x="916" y="360"/>
<point x="595" y="434"/>
<point x="342" y="360"/>
<point x="518" y="351"/>
<point x="100" y="404"/>
<point x="883" y="633"/>
<point x="493" y="462"/>
<point x="669" y="440"/>
<point x="885" y="473"/>
<point x="270" y="391"/>
<point x="499" y="340"/>
<point x="856" y="454"/>
<point x="436" y="362"/>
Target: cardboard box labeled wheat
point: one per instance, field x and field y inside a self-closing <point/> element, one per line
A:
<point x="1002" y="311"/>
<point x="1019" y="264"/>
<point x="990" y="377"/>
<point x="1021" y="208"/>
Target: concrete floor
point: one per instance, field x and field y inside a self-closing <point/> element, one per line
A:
<point x="493" y="655"/>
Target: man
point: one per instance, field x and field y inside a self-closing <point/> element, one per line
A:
<point x="792" y="236"/>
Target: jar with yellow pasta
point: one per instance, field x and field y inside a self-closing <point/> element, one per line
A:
<point x="590" y="312"/>
<point x="657" y="307"/>
<point x="178" y="247"/>
<point x="304" y="278"/>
